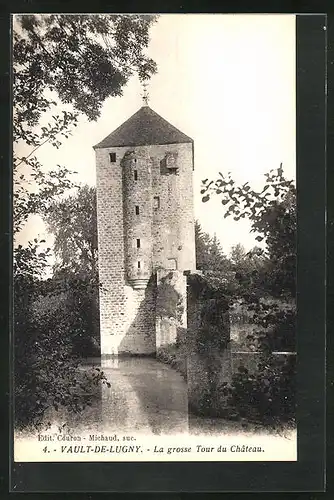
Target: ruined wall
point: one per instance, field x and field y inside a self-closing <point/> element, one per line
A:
<point x="208" y="336"/>
<point x="171" y="308"/>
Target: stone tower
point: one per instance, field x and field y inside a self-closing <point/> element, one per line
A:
<point x="145" y="230"/>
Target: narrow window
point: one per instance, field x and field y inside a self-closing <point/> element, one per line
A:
<point x="156" y="202"/>
<point x="138" y="264"/>
<point x="112" y="157"/>
<point x="137" y="209"/>
<point x="135" y="175"/>
<point x="138" y="243"/>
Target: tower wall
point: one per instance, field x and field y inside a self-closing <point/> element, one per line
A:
<point x="163" y="191"/>
<point x="127" y="315"/>
<point x="137" y="203"/>
<point x="111" y="250"/>
<point x="173" y="222"/>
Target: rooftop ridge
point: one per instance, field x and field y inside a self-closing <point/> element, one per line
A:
<point x="144" y="127"/>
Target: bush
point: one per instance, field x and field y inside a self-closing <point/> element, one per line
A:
<point x="175" y="356"/>
<point x="45" y="362"/>
<point x="266" y="396"/>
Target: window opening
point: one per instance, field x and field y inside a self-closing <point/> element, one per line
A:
<point x="138" y="264"/>
<point x="135" y="175"/>
<point x="138" y="243"/>
<point x="112" y="157"/>
<point x="156" y="202"/>
<point x="137" y="209"/>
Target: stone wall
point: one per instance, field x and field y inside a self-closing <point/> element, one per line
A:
<point x="208" y="337"/>
<point x="137" y="195"/>
<point x="171" y="311"/>
<point x="111" y="251"/>
<point x="163" y="191"/>
<point x="173" y="222"/>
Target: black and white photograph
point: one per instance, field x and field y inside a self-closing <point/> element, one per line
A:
<point x="154" y="220"/>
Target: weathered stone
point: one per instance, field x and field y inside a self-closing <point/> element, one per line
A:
<point x="145" y="228"/>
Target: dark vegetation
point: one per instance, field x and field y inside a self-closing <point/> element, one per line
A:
<point x="169" y="305"/>
<point x="64" y="66"/>
<point x="56" y="320"/>
<point x="175" y="355"/>
<point x="263" y="282"/>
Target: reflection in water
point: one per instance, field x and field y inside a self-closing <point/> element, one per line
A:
<point x="144" y="396"/>
<point x="148" y="397"/>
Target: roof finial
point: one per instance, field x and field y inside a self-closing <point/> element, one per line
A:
<point x="145" y="95"/>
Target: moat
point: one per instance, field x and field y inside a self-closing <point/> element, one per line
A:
<point x="145" y="396"/>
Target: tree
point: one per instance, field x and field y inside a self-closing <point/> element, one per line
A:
<point x="272" y="213"/>
<point x="73" y="222"/>
<point x="270" y="392"/>
<point x="238" y="254"/>
<point x="249" y="270"/>
<point x="81" y="60"/>
<point x="209" y="253"/>
<point x="76" y="61"/>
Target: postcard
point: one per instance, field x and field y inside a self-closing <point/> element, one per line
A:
<point x="155" y="222"/>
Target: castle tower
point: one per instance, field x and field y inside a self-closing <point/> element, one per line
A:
<point x="145" y="228"/>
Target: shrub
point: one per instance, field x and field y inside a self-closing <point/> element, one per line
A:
<point x="267" y="395"/>
<point x="175" y="356"/>
<point x="45" y="362"/>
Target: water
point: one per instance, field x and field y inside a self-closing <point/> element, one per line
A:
<point x="146" y="396"/>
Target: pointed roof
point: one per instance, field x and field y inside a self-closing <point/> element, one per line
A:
<point x="145" y="127"/>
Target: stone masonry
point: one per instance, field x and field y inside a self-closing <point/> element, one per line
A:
<point x="145" y="230"/>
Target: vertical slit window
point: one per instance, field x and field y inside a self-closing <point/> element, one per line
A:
<point x="138" y="264"/>
<point x="156" y="202"/>
<point x="137" y="209"/>
<point x="135" y="175"/>
<point x="138" y="243"/>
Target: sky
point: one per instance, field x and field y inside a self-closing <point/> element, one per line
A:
<point x="227" y="81"/>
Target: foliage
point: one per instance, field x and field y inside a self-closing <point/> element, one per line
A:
<point x="33" y="189"/>
<point x="235" y="273"/>
<point x="81" y="308"/>
<point x="209" y="253"/>
<point x="265" y="284"/>
<point x="46" y="369"/>
<point x="73" y="222"/>
<point x="83" y="58"/>
<point x="80" y="60"/>
<point x="77" y="61"/>
<point x="175" y="356"/>
<point x="266" y="396"/>
<point x="272" y="213"/>
<point x="211" y="314"/>
<point x="49" y="334"/>
<point x="168" y="299"/>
